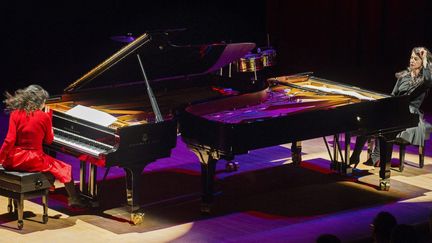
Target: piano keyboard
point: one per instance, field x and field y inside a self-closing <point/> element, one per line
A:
<point x="80" y="143"/>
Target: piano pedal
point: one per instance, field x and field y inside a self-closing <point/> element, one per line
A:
<point x="231" y="166"/>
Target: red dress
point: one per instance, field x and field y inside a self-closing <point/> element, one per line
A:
<point x="22" y="147"/>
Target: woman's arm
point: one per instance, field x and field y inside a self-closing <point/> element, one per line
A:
<point x="427" y="67"/>
<point x="399" y="76"/>
<point x="425" y="85"/>
<point x="396" y="88"/>
<point x="9" y="141"/>
<point x="49" y="133"/>
<point x="427" y="74"/>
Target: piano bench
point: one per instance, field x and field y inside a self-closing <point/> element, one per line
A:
<point x="18" y="186"/>
<point x="402" y="145"/>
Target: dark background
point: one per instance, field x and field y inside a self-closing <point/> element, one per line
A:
<point x="360" y="42"/>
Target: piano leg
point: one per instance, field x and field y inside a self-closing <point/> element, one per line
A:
<point x="208" y="160"/>
<point x="386" y="149"/>
<point x="133" y="181"/>
<point x="296" y="152"/>
<point x="346" y="168"/>
<point x="208" y="170"/>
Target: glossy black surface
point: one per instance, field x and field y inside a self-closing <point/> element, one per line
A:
<point x="383" y="115"/>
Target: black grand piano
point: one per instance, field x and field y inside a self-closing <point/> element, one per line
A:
<point x="143" y="127"/>
<point x="291" y="109"/>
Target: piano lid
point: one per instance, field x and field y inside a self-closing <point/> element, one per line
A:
<point x="164" y="60"/>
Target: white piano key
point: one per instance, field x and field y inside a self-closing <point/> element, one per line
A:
<point x="80" y="143"/>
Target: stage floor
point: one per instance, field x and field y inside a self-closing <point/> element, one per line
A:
<point x="267" y="199"/>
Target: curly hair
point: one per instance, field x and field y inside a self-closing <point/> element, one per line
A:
<point x="29" y="99"/>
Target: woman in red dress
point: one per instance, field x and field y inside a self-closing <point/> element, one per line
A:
<point x="29" y="128"/>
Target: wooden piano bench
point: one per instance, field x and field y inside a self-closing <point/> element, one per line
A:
<point x="18" y="186"/>
<point x="402" y="146"/>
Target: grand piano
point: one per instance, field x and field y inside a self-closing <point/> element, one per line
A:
<point x="292" y="109"/>
<point x="144" y="127"/>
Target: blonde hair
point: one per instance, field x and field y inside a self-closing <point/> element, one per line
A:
<point x="29" y="99"/>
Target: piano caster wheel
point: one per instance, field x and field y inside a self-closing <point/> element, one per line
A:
<point x="205" y="208"/>
<point x="137" y="218"/>
<point x="384" y="185"/>
<point x="20" y="224"/>
<point x="231" y="166"/>
<point x="45" y="219"/>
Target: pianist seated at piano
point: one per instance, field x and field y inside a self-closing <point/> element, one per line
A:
<point x="29" y="127"/>
<point x="415" y="81"/>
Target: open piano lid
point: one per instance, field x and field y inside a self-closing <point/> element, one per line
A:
<point x="163" y="60"/>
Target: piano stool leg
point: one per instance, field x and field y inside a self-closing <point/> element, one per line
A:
<point x="15" y="206"/>
<point x="370" y="145"/>
<point x="401" y="157"/>
<point x="386" y="149"/>
<point x="20" y="208"/>
<point x="296" y="148"/>
<point x="45" y="207"/>
<point x="133" y="181"/>
<point x="421" y="156"/>
<point x="10" y="206"/>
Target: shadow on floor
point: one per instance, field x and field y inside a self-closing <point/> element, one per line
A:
<point x="172" y="197"/>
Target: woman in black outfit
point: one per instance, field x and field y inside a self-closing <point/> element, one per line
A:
<point x="415" y="81"/>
